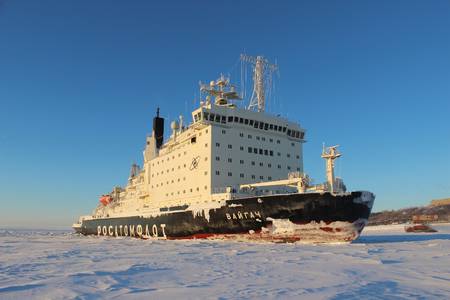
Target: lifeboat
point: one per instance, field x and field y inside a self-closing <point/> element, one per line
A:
<point x="105" y="199"/>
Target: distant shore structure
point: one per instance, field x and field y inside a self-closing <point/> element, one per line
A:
<point x="440" y="202"/>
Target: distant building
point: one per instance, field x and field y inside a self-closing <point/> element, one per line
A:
<point x="439" y="202"/>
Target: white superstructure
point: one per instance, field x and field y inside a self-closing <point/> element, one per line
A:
<point x="225" y="152"/>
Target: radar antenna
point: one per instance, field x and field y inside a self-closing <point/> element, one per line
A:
<point x="262" y="74"/>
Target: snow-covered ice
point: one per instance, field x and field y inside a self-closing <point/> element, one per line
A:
<point x="385" y="263"/>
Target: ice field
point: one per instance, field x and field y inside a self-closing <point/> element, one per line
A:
<point x="385" y="263"/>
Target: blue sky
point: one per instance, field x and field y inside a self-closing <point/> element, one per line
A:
<point x="80" y="82"/>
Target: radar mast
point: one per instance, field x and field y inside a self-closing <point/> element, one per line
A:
<point x="262" y="74"/>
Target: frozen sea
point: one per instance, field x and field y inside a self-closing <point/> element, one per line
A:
<point x="385" y="263"/>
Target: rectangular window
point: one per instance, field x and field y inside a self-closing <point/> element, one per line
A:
<point x="266" y="126"/>
<point x="253" y="176"/>
<point x="261" y="177"/>
<point x="211" y="117"/>
<point x="271" y="152"/>
<point x="263" y="139"/>
<point x="289" y="132"/>
<point x="269" y="165"/>
<point x="217" y="144"/>
<point x="230" y="174"/>
<point x="250" y="136"/>
<point x="230" y="146"/>
<point x="230" y="119"/>
<point x="256" y="124"/>
<point x="279" y="166"/>
<point x="261" y="125"/>
<point x="257" y="138"/>
<point x="284" y="129"/>
<point x="217" y="158"/>
<point x="271" y="126"/>
<point x="255" y="150"/>
<point x="224" y="131"/>
<point x="280" y="128"/>
<point x="266" y="152"/>
<point x="251" y="122"/>
<point x="249" y="149"/>
<point x="193" y="140"/>
<point x="241" y="134"/>
<point x="302" y="135"/>
<point x="217" y="173"/>
<point x="230" y="160"/>
<point x="261" y="164"/>
<point x="236" y="119"/>
<point x="241" y="120"/>
<point x="241" y="175"/>
<point x="253" y="163"/>
<point x="241" y="162"/>
<point x="246" y="121"/>
<point x="275" y="127"/>
<point x="269" y="178"/>
<point x="195" y="118"/>
<point x="206" y="116"/>
<point x="218" y="118"/>
<point x="241" y="148"/>
<point x="260" y="151"/>
<point x="288" y="155"/>
<point x="224" y="120"/>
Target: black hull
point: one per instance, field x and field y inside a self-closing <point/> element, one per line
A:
<point x="309" y="217"/>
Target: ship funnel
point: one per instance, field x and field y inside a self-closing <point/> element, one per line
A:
<point x="158" y="129"/>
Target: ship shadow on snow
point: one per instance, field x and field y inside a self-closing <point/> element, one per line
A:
<point x="400" y="238"/>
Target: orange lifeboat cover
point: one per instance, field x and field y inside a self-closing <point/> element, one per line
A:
<point x="105" y="199"/>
